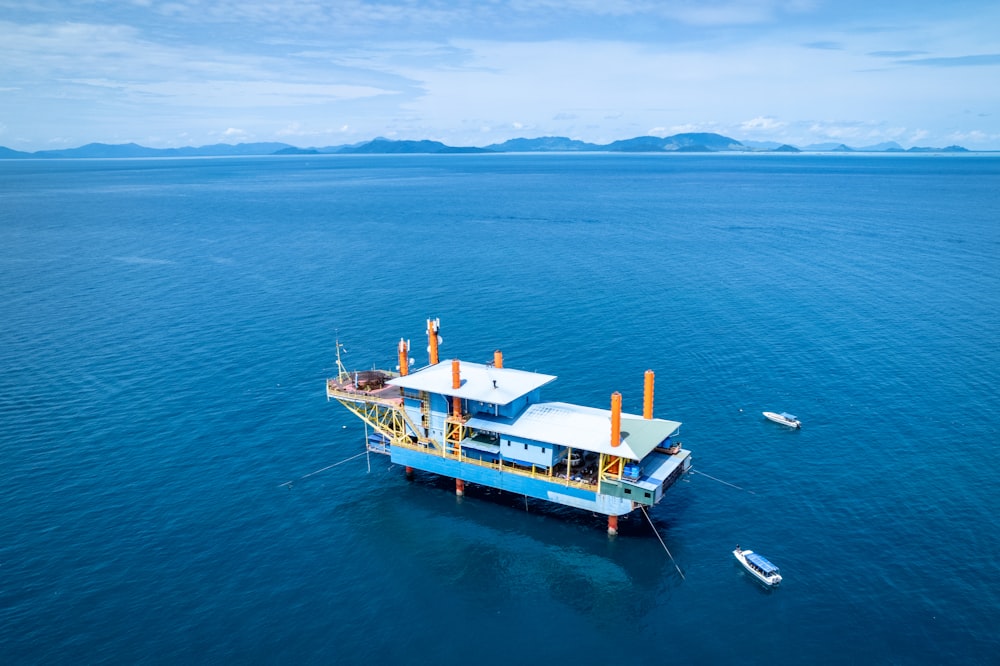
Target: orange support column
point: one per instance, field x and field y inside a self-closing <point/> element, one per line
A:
<point x="409" y="472"/>
<point x="454" y="432"/>
<point x="612" y="525"/>
<point x="459" y="487"/>
<point x="498" y="359"/>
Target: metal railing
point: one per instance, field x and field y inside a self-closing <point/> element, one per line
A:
<point x="505" y="466"/>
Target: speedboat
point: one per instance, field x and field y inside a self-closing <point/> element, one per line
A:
<point x="784" y="418"/>
<point x="759" y="566"/>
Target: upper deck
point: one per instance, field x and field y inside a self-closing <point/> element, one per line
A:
<point x="365" y="385"/>
<point x="487" y="384"/>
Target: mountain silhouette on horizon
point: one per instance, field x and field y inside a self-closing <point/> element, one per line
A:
<point x="699" y="142"/>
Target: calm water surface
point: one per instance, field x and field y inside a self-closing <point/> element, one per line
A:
<point x="168" y="324"/>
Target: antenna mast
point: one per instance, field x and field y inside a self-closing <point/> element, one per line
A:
<point x="341" y="370"/>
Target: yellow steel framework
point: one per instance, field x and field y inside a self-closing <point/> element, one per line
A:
<point x="387" y="416"/>
<point x="454" y="434"/>
<point x="611" y="467"/>
<point x="425" y="413"/>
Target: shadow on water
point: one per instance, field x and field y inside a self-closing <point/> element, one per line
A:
<point x="471" y="543"/>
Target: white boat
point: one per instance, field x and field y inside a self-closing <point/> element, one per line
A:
<point x="759" y="566"/>
<point x="784" y="418"/>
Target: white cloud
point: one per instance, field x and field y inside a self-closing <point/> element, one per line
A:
<point x="685" y="128"/>
<point x="976" y="139"/>
<point x="761" y="124"/>
<point x="702" y="13"/>
<point x="734" y="13"/>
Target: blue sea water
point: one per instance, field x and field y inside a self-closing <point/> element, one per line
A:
<point x="167" y="326"/>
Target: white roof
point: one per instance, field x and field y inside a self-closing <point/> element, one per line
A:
<point x="485" y="383"/>
<point x="582" y="428"/>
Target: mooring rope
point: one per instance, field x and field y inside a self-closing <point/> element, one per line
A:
<point x="289" y="483"/>
<point x="724" y="482"/>
<point x="661" y="542"/>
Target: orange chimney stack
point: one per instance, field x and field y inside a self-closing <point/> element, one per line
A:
<point x="616" y="418"/>
<point x="433" y="326"/>
<point x="404" y="359"/>
<point x="456" y="382"/>
<point x="647" y="396"/>
<point x="498" y="359"/>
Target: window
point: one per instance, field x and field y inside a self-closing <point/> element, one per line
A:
<point x="525" y="447"/>
<point x="628" y="491"/>
<point x="647" y="495"/>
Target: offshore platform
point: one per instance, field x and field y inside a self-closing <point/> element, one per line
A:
<point x="486" y="424"/>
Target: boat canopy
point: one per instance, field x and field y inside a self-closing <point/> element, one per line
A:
<point x="762" y="563"/>
<point x="790" y="417"/>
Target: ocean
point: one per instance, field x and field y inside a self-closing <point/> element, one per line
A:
<point x="168" y="325"/>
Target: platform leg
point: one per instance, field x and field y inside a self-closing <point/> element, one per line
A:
<point x="409" y="472"/>
<point x="612" y="525"/>
<point x="459" y="487"/>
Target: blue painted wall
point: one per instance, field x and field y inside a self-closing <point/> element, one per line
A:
<point x="483" y="475"/>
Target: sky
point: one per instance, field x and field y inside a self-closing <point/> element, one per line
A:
<point x="318" y="73"/>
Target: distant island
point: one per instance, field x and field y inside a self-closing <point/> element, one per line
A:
<point x="695" y="142"/>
